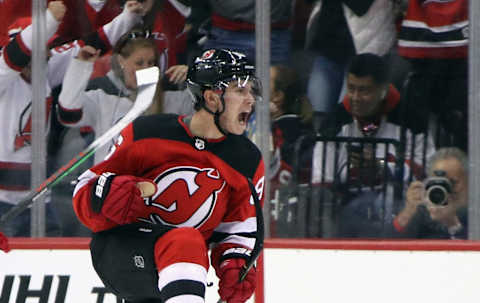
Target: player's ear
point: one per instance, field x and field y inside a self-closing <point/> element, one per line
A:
<point x="212" y="99"/>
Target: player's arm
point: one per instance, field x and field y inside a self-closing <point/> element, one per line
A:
<point x="235" y="241"/>
<point x="110" y="193"/>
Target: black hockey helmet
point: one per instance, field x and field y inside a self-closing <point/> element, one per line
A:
<point x="216" y="68"/>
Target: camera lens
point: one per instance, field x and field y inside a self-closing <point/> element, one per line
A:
<point x="437" y="195"/>
<point x="438" y="188"/>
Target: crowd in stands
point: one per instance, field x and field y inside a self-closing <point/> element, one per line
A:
<point x="368" y="101"/>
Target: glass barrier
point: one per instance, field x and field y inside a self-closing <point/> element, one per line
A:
<point x="370" y="72"/>
<point x="366" y="103"/>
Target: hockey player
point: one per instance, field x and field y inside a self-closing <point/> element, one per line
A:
<point x="175" y="186"/>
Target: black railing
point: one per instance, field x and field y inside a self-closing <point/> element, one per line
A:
<point x="313" y="208"/>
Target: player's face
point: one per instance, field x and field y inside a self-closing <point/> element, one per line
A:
<point x="239" y="104"/>
<point x="141" y="58"/>
<point x="365" y="96"/>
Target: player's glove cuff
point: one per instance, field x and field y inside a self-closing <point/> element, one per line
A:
<point x="100" y="190"/>
<point x="235" y="252"/>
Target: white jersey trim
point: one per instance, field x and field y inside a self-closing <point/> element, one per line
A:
<point x="83" y="179"/>
<point x="247" y="226"/>
<point x="435" y="29"/>
<point x="181" y="271"/>
<point x="440" y="44"/>
<point x="243" y="241"/>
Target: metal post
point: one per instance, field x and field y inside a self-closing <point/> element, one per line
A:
<point x="39" y="84"/>
<point x="474" y="121"/>
<point x="262" y="62"/>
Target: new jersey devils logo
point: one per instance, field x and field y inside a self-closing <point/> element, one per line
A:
<point x="186" y="196"/>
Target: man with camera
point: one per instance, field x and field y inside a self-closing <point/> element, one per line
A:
<point x="437" y="207"/>
<point x="372" y="113"/>
<point x="355" y="160"/>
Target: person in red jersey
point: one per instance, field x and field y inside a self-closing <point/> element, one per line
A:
<point x="82" y="18"/>
<point x="175" y="186"/>
<point x="16" y="94"/>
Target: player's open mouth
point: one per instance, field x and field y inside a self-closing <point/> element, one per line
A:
<point x="243" y="117"/>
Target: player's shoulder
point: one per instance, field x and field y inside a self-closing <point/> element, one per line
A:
<point x="156" y="126"/>
<point x="244" y="144"/>
<point x="241" y="154"/>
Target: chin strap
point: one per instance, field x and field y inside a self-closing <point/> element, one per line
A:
<point x="216" y="118"/>
<point x="216" y="115"/>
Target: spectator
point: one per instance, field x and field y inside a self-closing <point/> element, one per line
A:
<point x="287" y="122"/>
<point x="434" y="38"/>
<point x="101" y="102"/>
<point x="82" y="18"/>
<point x="371" y="109"/>
<point x="423" y="218"/>
<point x="287" y="126"/>
<point x="336" y="31"/>
<point x="233" y="26"/>
<point x="165" y="20"/>
<point x="16" y="105"/>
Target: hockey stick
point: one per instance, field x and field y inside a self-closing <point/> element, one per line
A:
<point x="146" y="82"/>
<point x="257" y="248"/>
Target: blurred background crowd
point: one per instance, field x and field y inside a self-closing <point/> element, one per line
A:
<point x="368" y="104"/>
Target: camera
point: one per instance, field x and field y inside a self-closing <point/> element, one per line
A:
<point x="438" y="188"/>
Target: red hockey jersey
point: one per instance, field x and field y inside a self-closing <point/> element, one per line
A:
<point x="81" y="18"/>
<point x="168" y="32"/>
<point x="200" y="183"/>
<point x="434" y="29"/>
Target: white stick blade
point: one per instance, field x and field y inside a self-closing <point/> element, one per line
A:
<point x="147" y="75"/>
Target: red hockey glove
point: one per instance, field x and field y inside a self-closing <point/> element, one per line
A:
<point x="230" y="289"/>
<point x="120" y="198"/>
